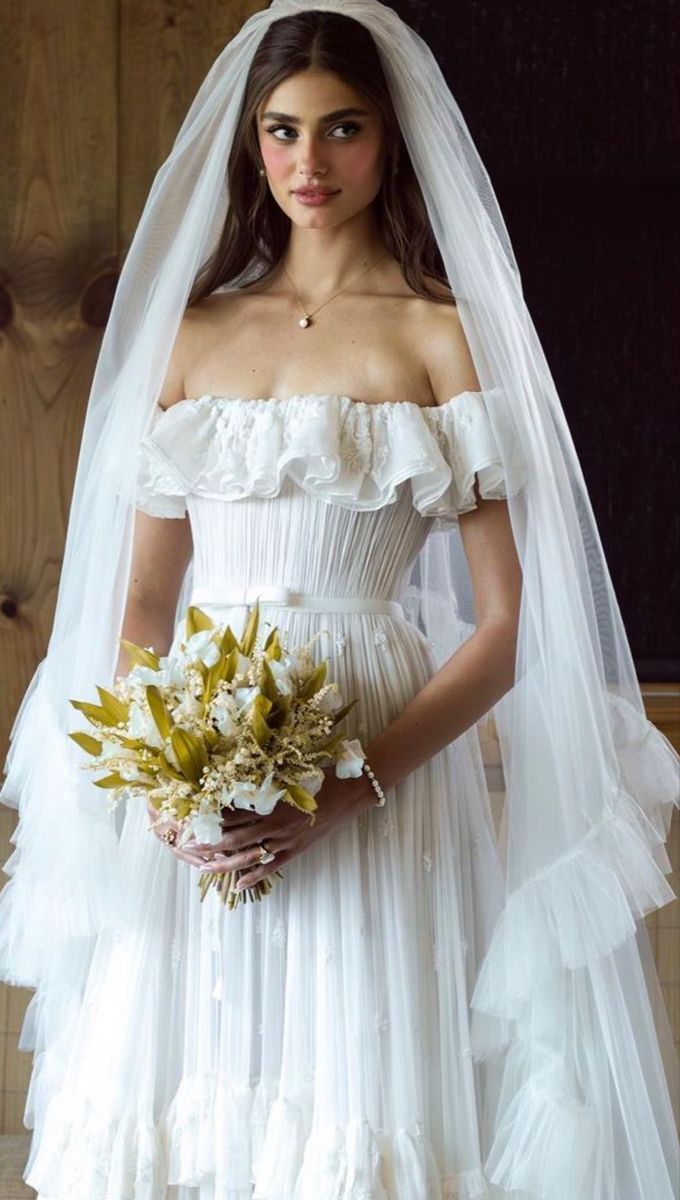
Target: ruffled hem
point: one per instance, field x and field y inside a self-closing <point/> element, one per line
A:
<point x="62" y="871"/>
<point x="555" y="977"/>
<point x="577" y="910"/>
<point x="340" y="450"/>
<point x="587" y="902"/>
<point x="249" y="1142"/>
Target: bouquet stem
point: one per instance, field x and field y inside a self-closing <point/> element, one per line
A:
<point x="224" y="880"/>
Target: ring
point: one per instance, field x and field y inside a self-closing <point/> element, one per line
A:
<point x="266" y="855"/>
<point x="169" y="836"/>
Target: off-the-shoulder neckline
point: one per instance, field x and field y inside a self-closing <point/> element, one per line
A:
<point x="317" y="396"/>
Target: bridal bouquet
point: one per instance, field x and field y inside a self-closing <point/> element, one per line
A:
<point x="219" y="723"/>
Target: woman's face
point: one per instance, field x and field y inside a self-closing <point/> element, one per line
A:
<point x="315" y="130"/>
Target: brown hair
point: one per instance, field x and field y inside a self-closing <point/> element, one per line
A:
<point x="255" y="226"/>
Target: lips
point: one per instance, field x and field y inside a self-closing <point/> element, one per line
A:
<point x="314" y="191"/>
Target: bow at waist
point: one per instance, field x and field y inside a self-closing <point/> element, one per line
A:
<point x="278" y="594"/>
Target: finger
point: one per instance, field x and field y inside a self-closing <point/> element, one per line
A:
<point x="234" y="817"/>
<point x="267" y="828"/>
<point x="207" y="849"/>
<point x="235" y="862"/>
<point x="188" y="858"/>
<point x="250" y="878"/>
<point x="238" y="839"/>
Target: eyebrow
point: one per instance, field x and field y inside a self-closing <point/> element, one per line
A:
<point x="333" y="116"/>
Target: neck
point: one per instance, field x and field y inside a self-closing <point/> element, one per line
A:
<point x="322" y="261"/>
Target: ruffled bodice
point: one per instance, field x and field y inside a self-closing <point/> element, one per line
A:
<point x="341" y="451"/>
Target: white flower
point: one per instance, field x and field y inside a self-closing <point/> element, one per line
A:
<point x="169" y="673"/>
<point x="109" y="748"/>
<point x="259" y="798"/>
<point x="206" y="827"/>
<point x="331" y="700"/>
<point x="187" y="709"/>
<point x="145" y="674"/>
<point x="142" y="725"/>
<point x="131" y="772"/>
<point x="243" y="664"/>
<point x="170" y="753"/>
<point x="202" y="646"/>
<point x="282" y="672"/>
<point x="221" y="712"/>
<point x="244" y="696"/>
<point x="350" y="762"/>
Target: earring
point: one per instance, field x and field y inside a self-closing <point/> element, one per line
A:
<point x="261" y="170"/>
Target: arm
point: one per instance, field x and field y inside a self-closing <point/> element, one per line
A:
<point x="482" y="670"/>
<point x="162" y="546"/>
<point x="475" y="677"/>
<point x="161" y="552"/>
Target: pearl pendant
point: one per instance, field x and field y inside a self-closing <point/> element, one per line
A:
<point x="304" y="322"/>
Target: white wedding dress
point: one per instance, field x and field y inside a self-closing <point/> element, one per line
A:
<point x="315" y="1045"/>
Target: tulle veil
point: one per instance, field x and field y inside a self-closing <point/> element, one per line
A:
<point x="567" y="998"/>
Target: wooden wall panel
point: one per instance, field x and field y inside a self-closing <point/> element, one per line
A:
<point x="92" y="97"/>
<point x="167" y="48"/>
<point x="58" y="253"/>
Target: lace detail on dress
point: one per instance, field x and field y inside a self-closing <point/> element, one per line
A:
<point x="343" y="451"/>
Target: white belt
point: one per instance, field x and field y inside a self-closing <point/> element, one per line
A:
<point x="276" y="594"/>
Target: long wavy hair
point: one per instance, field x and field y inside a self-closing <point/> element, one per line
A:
<point x="255" y="226"/>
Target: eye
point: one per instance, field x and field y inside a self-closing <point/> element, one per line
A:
<point x="351" y="125"/>
<point x="275" y="129"/>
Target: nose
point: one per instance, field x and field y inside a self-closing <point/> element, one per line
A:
<point x="309" y="160"/>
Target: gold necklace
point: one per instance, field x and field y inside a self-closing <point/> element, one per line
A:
<point x="306" y="321"/>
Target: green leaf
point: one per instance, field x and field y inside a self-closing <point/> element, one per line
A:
<point x="168" y="770"/>
<point x="139" y="657"/>
<point x="190" y="753"/>
<point x="95" y="714"/>
<point x="340" y="713"/>
<point x="116" y="708"/>
<point x="268" y="683"/>
<point x="112" y="781"/>
<point x="250" y="632"/>
<point x="302" y="798"/>
<point x="87" y="743"/>
<point x="272" y="647"/>
<point x="158" y="710"/>
<point x="330" y="746"/>
<point x="231" y="665"/>
<point x="214" y="675"/>
<point x="197" y="620"/>
<point x="260" y="708"/>
<point x="228" y="640"/>
<point x="314" y="681"/>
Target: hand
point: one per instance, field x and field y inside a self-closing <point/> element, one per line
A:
<point x="190" y="851"/>
<point x="286" y="831"/>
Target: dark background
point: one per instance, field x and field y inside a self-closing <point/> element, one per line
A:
<point x="574" y="113"/>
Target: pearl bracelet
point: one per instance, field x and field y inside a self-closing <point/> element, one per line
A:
<point x="376" y="786"/>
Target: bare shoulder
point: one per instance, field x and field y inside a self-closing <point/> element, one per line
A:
<point x="192" y="331"/>
<point x="443" y="346"/>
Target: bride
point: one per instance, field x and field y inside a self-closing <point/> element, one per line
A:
<point x="325" y="168"/>
<point x="338" y="406"/>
